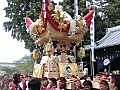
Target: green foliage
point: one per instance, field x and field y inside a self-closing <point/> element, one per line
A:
<point x="8" y="70"/>
<point x="16" y="11"/>
<point x="68" y="6"/>
<point x="25" y="64"/>
<point x="112" y="13"/>
<point x="100" y="27"/>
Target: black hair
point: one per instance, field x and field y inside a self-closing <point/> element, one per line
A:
<point x="105" y="83"/>
<point x="62" y="79"/>
<point x="34" y="84"/>
<point x="87" y="82"/>
<point x="16" y="78"/>
<point x="44" y="78"/>
<point x="54" y="81"/>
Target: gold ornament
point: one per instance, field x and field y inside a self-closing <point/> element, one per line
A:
<point x="79" y="23"/>
<point x="56" y="16"/>
<point x="60" y="20"/>
<point x="81" y="52"/>
<point x="49" y="48"/>
<point x="34" y="29"/>
<point x="36" y="54"/>
<point x="37" y="27"/>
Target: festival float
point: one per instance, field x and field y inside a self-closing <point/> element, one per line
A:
<point x="56" y="36"/>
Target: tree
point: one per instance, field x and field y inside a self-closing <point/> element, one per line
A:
<point x="8" y="70"/>
<point x="111" y="12"/>
<point x="25" y="64"/>
<point x="16" y="11"/>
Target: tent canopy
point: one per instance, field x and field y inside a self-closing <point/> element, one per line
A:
<point x="111" y="38"/>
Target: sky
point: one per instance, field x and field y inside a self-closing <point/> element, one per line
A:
<point x="10" y="49"/>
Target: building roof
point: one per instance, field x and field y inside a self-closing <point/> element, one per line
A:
<point x="111" y="38"/>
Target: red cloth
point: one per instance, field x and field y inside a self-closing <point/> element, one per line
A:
<point x="24" y="84"/>
<point x="12" y="86"/>
<point x="43" y="88"/>
<point x="50" y="88"/>
<point x="89" y="17"/>
<point x="44" y="11"/>
<point x="28" y="22"/>
<point x="49" y="18"/>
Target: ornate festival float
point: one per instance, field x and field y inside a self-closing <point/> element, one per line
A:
<point x="56" y="35"/>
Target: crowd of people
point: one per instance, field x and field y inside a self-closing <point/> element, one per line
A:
<point x="27" y="82"/>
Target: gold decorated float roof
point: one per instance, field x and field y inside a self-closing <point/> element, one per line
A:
<point x="58" y="26"/>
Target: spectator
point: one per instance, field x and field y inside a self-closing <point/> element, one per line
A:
<point x="104" y="85"/>
<point x="1" y="82"/>
<point x="14" y="85"/>
<point x="88" y="85"/>
<point x="34" y="84"/>
<point x="44" y="83"/>
<point x="113" y="83"/>
<point x="28" y="78"/>
<point x="5" y="81"/>
<point x="78" y="85"/>
<point x="22" y="84"/>
<point x="52" y="84"/>
<point x="61" y="83"/>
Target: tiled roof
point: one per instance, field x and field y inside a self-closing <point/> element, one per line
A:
<point x="111" y="38"/>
